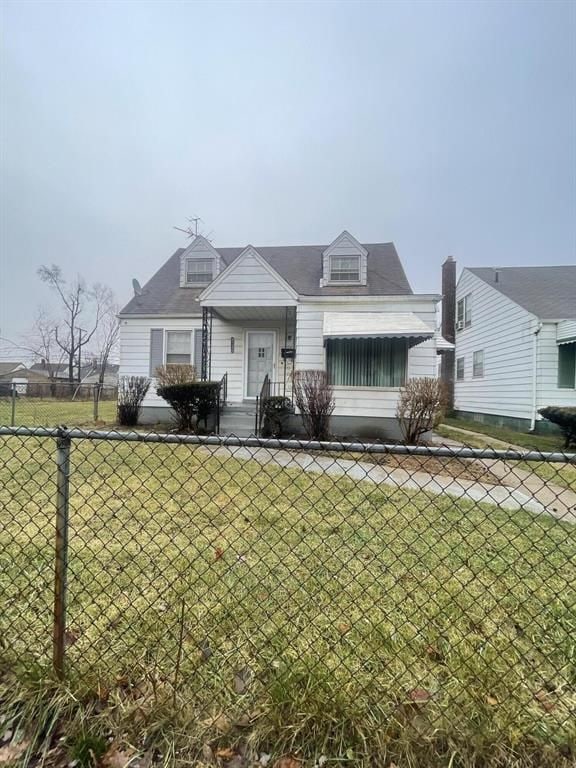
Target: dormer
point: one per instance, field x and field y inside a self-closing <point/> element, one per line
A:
<point x="344" y="262"/>
<point x="199" y="264"/>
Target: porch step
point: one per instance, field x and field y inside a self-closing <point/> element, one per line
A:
<point x="238" y="419"/>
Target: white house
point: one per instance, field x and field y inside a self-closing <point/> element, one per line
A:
<point x="249" y="312"/>
<point x="515" y="343"/>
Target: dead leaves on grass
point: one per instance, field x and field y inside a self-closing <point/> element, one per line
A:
<point x="10" y="754"/>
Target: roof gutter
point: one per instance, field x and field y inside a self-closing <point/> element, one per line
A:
<point x="534" y="377"/>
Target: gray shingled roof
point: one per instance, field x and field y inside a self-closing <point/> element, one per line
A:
<point x="299" y="265"/>
<point x="547" y="292"/>
<point x="8" y="367"/>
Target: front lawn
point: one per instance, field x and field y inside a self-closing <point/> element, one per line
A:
<point x="217" y="605"/>
<point x="535" y="442"/>
<point x="51" y="412"/>
<point x="563" y="475"/>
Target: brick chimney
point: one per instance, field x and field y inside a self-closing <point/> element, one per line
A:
<point x="448" y="325"/>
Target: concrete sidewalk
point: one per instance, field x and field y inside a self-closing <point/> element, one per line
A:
<point x="520" y="491"/>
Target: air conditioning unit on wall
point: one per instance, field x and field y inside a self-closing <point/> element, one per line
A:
<point x="459" y="325"/>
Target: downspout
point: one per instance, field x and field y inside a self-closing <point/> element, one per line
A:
<point x="534" y="377"/>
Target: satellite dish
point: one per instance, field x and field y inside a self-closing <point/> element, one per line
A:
<point x="137" y="287"/>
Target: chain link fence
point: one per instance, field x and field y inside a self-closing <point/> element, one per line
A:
<point x="49" y="403"/>
<point x="345" y="600"/>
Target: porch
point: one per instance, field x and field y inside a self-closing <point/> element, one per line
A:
<point x="247" y="344"/>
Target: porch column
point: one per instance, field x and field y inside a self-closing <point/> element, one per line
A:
<point x="206" y="363"/>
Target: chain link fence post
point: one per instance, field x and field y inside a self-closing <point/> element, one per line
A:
<point x="63" y="445"/>
<point x="13" y="413"/>
<point x="96" y="396"/>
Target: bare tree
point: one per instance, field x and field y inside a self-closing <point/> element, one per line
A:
<point x="105" y="342"/>
<point x="76" y="300"/>
<point x="39" y="343"/>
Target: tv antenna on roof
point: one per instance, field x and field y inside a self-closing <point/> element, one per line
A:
<point x="192" y="229"/>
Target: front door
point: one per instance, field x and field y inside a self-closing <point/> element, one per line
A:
<point x="259" y="360"/>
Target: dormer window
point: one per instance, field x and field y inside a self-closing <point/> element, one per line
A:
<point x="199" y="271"/>
<point x="344" y="262"/>
<point x="345" y="269"/>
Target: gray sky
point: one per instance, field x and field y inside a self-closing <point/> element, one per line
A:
<point x="449" y="128"/>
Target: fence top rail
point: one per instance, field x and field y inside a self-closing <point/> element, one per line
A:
<point x="289" y="444"/>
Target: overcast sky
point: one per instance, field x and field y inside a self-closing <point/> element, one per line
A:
<point x="449" y="128"/>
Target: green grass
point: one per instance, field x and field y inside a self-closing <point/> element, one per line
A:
<point x="45" y="412"/>
<point x="563" y="475"/>
<point x="341" y="598"/>
<point x="509" y="436"/>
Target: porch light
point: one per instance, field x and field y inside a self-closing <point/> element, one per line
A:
<point x="232" y="343"/>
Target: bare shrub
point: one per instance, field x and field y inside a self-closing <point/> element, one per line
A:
<point x="315" y="400"/>
<point x="420" y="407"/>
<point x="168" y="375"/>
<point x="131" y="393"/>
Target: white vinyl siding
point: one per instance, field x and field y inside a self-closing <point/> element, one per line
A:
<point x="505" y="332"/>
<point x="549" y="393"/>
<point x="363" y="401"/>
<point x="201" y="252"/>
<point x="234" y="363"/>
<point x="135" y="346"/>
<point x="344" y="247"/>
<point x="249" y="283"/>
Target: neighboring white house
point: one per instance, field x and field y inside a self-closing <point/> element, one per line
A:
<point x="515" y="343"/>
<point x="251" y="312"/>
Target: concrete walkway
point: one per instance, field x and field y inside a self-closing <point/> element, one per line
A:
<point x="556" y="500"/>
<point x="522" y="490"/>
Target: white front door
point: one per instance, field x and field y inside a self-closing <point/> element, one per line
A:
<point x="259" y="360"/>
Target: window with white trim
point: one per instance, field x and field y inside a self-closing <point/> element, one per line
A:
<point x="199" y="271"/>
<point x="345" y="269"/>
<point x="460" y="369"/>
<point x="178" y="347"/>
<point x="478" y="364"/>
<point x="464" y="312"/>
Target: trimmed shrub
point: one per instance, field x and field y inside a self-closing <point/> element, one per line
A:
<point x="277" y="409"/>
<point x="131" y="393"/>
<point x="565" y="419"/>
<point x="420" y="407"/>
<point x="192" y="402"/>
<point x="167" y="375"/>
<point x="315" y="400"/>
